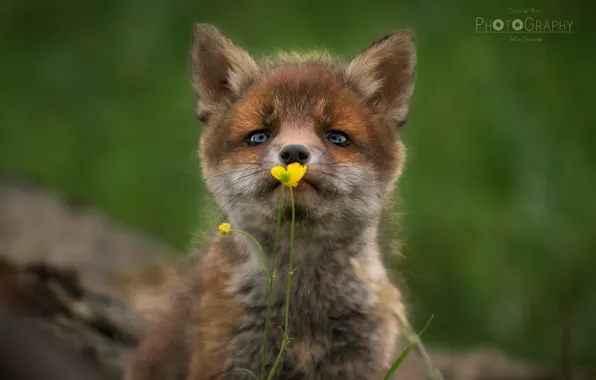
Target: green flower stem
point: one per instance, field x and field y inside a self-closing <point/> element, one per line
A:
<point x="290" y="269"/>
<point x="286" y="336"/>
<point x="259" y="246"/>
<point x="270" y="288"/>
<point x="284" y="343"/>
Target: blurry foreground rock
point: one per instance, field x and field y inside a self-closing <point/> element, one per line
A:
<point x="52" y="328"/>
<point x="76" y="290"/>
<point x="37" y="227"/>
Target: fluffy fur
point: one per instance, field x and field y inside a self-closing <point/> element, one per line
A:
<point x="340" y="327"/>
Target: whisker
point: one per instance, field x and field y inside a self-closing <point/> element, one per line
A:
<point x="230" y="184"/>
<point x="222" y="174"/>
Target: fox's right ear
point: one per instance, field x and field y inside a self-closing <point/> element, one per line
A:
<point x="384" y="74"/>
<point x="220" y="69"/>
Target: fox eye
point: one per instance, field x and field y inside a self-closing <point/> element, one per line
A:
<point x="257" y="137"/>
<point x="338" y="138"/>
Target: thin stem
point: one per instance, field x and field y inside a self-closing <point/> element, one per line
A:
<point x="260" y="249"/>
<point x="284" y="343"/>
<point x="414" y="340"/>
<point x="286" y="337"/>
<point x="405" y="353"/>
<point x="245" y="371"/>
<point x="290" y="269"/>
<point x="270" y="287"/>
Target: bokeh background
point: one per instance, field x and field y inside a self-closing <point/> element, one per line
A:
<point x="498" y="201"/>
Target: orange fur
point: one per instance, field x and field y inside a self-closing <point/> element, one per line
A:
<point x="214" y="317"/>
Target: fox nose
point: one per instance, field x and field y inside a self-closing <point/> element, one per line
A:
<point x="294" y="153"/>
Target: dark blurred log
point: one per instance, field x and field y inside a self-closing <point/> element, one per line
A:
<point x="52" y="328"/>
<point x="29" y="353"/>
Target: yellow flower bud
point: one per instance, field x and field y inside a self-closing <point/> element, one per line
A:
<point x="225" y="228"/>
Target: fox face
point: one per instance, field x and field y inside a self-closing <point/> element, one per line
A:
<point x="341" y="120"/>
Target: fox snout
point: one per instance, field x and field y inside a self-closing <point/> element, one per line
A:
<point x="294" y="153"/>
<point x="299" y="145"/>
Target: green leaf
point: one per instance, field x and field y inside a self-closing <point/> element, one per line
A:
<point x="398" y="362"/>
<point x="405" y="352"/>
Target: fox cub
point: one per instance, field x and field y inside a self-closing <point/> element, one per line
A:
<point x="340" y="119"/>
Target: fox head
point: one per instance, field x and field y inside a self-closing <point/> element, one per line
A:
<point x="341" y="119"/>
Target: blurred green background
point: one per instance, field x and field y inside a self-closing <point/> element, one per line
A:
<point x="498" y="200"/>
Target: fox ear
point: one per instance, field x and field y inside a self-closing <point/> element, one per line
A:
<point x="220" y="69"/>
<point x="384" y="74"/>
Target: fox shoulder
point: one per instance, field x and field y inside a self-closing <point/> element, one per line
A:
<point x="163" y="351"/>
<point x="191" y="334"/>
<point x="215" y="313"/>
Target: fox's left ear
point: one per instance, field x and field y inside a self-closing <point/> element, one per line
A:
<point x="220" y="69"/>
<point x="384" y="74"/>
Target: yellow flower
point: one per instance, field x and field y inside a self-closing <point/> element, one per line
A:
<point x="225" y="228"/>
<point x="290" y="176"/>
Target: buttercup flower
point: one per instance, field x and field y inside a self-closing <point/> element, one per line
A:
<point x="225" y="228"/>
<point x="289" y="176"/>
